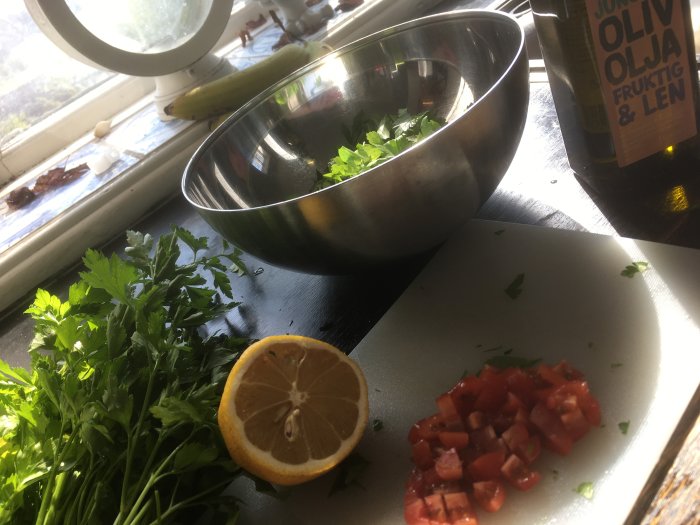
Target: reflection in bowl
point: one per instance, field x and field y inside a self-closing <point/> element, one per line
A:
<point x="253" y="178"/>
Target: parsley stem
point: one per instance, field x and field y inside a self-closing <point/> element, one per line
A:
<point x="195" y="499"/>
<point x="151" y="459"/>
<point x="123" y="505"/>
<point x="47" y="498"/>
<point x="154" y="478"/>
<point x="74" y="513"/>
<point x="141" y="513"/>
<point x="89" y="511"/>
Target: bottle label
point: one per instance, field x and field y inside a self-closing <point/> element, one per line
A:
<point x="643" y="63"/>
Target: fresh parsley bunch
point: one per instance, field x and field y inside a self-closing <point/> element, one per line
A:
<point x="114" y="421"/>
<point x="394" y="134"/>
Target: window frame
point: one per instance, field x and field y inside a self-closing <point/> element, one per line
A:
<point x="71" y="123"/>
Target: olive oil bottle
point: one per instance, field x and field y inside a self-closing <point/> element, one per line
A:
<point x="624" y="79"/>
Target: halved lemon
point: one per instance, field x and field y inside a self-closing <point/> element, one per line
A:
<point x="293" y="408"/>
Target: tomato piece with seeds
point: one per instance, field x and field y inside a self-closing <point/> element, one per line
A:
<point x="518" y="474"/>
<point x="552" y="429"/>
<point x="415" y="512"/>
<point x="459" y="509"/>
<point x="437" y="513"/>
<point x="448" y="465"/>
<point x="490" y="495"/>
<point x="529" y="450"/>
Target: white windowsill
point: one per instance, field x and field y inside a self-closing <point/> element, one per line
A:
<point x="111" y="202"/>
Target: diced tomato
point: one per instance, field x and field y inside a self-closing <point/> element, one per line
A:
<point x="512" y="411"/>
<point x="560" y="399"/>
<point x="530" y="449"/>
<point x="587" y="403"/>
<point x="415" y="432"/>
<point x="427" y="428"/>
<point x="487" y="466"/>
<point x="422" y="454"/>
<point x="512" y="404"/>
<point x="521" y="385"/>
<point x="492" y="395"/>
<point x="437" y="513"/>
<point x="501" y="422"/>
<point x="446" y="487"/>
<point x="549" y="375"/>
<point x="459" y="509"/>
<point x="458" y="440"/>
<point x="455" y="424"/>
<point x="446" y="406"/>
<point x="515" y="435"/>
<point x="485" y="439"/>
<point x="591" y="409"/>
<point x="490" y="495"/>
<point x="518" y="474"/>
<point x="448" y="465"/>
<point x="561" y="402"/>
<point x="428" y="482"/>
<point x="476" y="420"/>
<point x="488" y="430"/>
<point x="552" y="429"/>
<point x="465" y="392"/>
<point x="567" y="371"/>
<point x="490" y="373"/>
<point x="575" y="424"/>
<point x="414" y="486"/>
<point x="522" y="416"/>
<point x="415" y="512"/>
<point x="431" y="480"/>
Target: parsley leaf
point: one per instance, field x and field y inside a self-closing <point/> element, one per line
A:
<point x="624" y="426"/>
<point x="114" y="275"/>
<point x="515" y="288"/>
<point x="394" y="134"/>
<point x="349" y="473"/>
<point x="585" y="489"/>
<point x="634" y="268"/>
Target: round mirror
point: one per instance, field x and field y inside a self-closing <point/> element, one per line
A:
<point x="135" y="37"/>
<point x="151" y="26"/>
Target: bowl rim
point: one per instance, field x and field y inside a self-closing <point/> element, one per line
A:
<point x="344" y="49"/>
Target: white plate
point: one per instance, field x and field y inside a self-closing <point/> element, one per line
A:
<point x="636" y="339"/>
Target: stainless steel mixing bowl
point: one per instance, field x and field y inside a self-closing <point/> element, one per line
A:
<point x="252" y="179"/>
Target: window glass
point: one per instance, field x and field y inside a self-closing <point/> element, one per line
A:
<point x="36" y="78"/>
